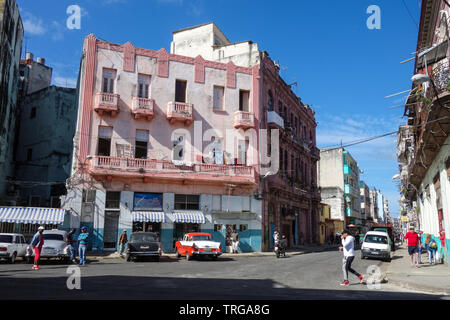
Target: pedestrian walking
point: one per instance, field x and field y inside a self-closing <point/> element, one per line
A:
<point x="348" y="243"/>
<point x="37" y="243"/>
<point x="235" y="241"/>
<point x="431" y="247"/>
<point x="412" y="239"/>
<point x="70" y="246"/>
<point x="82" y="246"/>
<point x="123" y="240"/>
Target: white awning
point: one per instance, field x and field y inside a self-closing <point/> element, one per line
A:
<point x="32" y="215"/>
<point x="148" y="216"/>
<point x="188" y="216"/>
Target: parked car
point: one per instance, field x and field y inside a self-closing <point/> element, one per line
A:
<point x="12" y="245"/>
<point x="198" y="244"/>
<point x="376" y="244"/>
<point x="143" y="244"/>
<point x="55" y="246"/>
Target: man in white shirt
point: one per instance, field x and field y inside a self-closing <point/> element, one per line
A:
<point x="348" y="242"/>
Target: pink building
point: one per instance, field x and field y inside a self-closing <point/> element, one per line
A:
<point x="176" y="142"/>
<point x="166" y="143"/>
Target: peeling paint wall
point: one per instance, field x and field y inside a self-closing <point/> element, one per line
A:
<point x="11" y="35"/>
<point x="45" y="142"/>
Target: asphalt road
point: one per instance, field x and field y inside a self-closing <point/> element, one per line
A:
<point x="300" y="277"/>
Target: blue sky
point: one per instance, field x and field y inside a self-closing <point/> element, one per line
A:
<point x="344" y="70"/>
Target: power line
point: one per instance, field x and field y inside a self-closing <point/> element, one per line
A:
<point x="410" y="14"/>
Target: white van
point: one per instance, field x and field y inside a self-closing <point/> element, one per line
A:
<point x="376" y="244"/>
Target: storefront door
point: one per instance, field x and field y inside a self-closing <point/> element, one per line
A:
<point x="110" y="230"/>
<point x="180" y="229"/>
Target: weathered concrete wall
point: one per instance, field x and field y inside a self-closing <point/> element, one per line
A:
<point x="331" y="172"/>
<point x="11" y="35"/>
<point x="48" y="132"/>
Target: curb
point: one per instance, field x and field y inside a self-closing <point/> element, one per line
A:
<point x="416" y="287"/>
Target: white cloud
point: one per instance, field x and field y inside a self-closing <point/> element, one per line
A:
<point x="32" y="24"/>
<point x="65" y="82"/>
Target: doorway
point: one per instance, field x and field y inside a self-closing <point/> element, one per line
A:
<point x="111" y="229"/>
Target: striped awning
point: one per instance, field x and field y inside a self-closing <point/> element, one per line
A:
<point x="32" y="215"/>
<point x="188" y="216"/>
<point x="148" y="216"/>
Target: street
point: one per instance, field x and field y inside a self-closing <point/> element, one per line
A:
<point x="298" y="277"/>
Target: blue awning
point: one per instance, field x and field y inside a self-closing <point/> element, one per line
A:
<point x="188" y="216"/>
<point x="32" y="215"/>
<point x="148" y="216"/>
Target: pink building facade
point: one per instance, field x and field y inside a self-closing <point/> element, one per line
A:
<point x="164" y="143"/>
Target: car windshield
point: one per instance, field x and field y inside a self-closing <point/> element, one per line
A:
<point x="53" y="236"/>
<point x="371" y="238"/>
<point x="200" y="238"/>
<point x="5" y="238"/>
<point x="143" y="237"/>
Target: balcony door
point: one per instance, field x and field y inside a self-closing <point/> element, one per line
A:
<point x="143" y="86"/>
<point x="180" y="91"/>
<point x="104" y="141"/>
<point x="140" y="151"/>
<point x="244" y="98"/>
<point x="109" y="77"/>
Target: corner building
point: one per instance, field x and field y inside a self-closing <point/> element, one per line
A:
<point x="164" y="143"/>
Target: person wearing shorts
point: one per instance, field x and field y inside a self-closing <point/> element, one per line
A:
<point x="413" y="239"/>
<point x="37" y="243"/>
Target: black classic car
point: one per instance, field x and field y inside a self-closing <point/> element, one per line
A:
<point x="143" y="244"/>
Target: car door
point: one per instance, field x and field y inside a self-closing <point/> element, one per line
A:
<point x="23" y="246"/>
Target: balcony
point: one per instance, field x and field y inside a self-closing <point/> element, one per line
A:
<point x="275" y="118"/>
<point x="348" y="189"/>
<point x="244" y="120"/>
<point x="142" y="107"/>
<point x="106" y="102"/>
<point x="180" y="111"/>
<point x="163" y="170"/>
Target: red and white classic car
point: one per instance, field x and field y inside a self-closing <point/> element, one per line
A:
<point x="198" y="244"/>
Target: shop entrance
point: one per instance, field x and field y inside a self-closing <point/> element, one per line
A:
<point x="110" y="230"/>
<point x="180" y="229"/>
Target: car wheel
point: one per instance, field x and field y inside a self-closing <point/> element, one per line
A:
<point x="156" y="259"/>
<point x="214" y="257"/>
<point x="13" y="258"/>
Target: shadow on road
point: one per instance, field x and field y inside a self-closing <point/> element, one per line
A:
<point x="195" y="288"/>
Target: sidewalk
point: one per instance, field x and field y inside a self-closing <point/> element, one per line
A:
<point x="427" y="278"/>
<point x="289" y="252"/>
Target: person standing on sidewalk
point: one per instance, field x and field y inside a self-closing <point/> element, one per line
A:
<point x="348" y="243"/>
<point x="70" y="246"/>
<point x="123" y="240"/>
<point x="431" y="246"/>
<point x="412" y="239"/>
<point x="235" y="241"/>
<point x="420" y="246"/>
<point x="37" y="243"/>
<point x="82" y="247"/>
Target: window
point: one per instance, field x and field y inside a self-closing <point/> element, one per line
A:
<point x="270" y="102"/>
<point x="143" y="86"/>
<point x="33" y="113"/>
<point x="104" y="141"/>
<point x="29" y="154"/>
<point x="108" y="80"/>
<point x="218" y="98"/>
<point x="244" y="97"/>
<point x="140" y="151"/>
<point x="187" y="202"/>
<point x="34" y="201"/>
<point x="180" y="91"/>
<point x="112" y="200"/>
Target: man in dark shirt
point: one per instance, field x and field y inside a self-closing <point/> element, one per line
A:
<point x="70" y="245"/>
